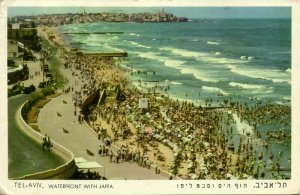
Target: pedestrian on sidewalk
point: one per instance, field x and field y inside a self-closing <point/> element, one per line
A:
<point x="110" y="157"/>
<point x="100" y="150"/>
<point x="99" y="135"/>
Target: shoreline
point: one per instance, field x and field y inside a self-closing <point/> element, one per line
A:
<point x="122" y="75"/>
<point x="194" y="98"/>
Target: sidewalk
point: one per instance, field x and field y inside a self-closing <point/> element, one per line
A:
<point x="34" y="67"/>
<point x="81" y="137"/>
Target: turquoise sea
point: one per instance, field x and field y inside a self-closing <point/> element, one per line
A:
<point x="243" y="59"/>
<point x="240" y="58"/>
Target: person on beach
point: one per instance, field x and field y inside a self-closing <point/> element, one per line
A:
<point x="180" y="126"/>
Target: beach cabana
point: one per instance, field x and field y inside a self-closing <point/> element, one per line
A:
<point x="82" y="163"/>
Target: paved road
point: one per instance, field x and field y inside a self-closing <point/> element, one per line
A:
<point x="25" y="156"/>
<point x="81" y="137"/>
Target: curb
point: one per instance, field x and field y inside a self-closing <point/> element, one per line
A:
<point x="58" y="149"/>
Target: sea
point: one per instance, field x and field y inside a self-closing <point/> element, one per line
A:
<point x="240" y="59"/>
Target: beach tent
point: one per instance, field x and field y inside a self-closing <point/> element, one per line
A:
<point x="82" y="163"/>
<point x="80" y="160"/>
<point x="88" y="165"/>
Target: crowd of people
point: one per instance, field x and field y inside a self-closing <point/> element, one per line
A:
<point x="201" y="139"/>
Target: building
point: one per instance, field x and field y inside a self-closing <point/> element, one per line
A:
<point x="28" y="36"/>
<point x="15" y="49"/>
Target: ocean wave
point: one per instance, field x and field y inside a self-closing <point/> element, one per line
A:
<point x="288" y="70"/>
<point x="134" y="34"/>
<point x="178" y="64"/>
<point x="213" y="59"/>
<point x="247" y="57"/>
<point x="246" y="86"/>
<point x="200" y="75"/>
<point x="173" y="63"/>
<point x="95" y="44"/>
<point x="176" y="83"/>
<point x="107" y="46"/>
<point x="114" y="37"/>
<point x="261" y="91"/>
<point x="183" y="52"/>
<point x="275" y="76"/>
<point x="214" y="89"/>
<point x="204" y="57"/>
<point x="212" y="43"/>
<point x="139" y="45"/>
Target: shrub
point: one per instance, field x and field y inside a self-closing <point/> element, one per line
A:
<point x="48" y="90"/>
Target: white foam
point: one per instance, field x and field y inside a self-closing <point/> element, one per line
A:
<point x="204" y="57"/>
<point x="139" y="45"/>
<point x="275" y="76"/>
<point x="176" y="83"/>
<point x="261" y="91"/>
<point x="246" y="86"/>
<point x="212" y="43"/>
<point x="214" y="89"/>
<point x="177" y="64"/>
<point x="200" y="75"/>
<point x="279" y="102"/>
<point x="183" y="52"/>
<point x="109" y="47"/>
<point x="134" y="34"/>
<point x="173" y="63"/>
<point x="288" y="70"/>
<point x="253" y="89"/>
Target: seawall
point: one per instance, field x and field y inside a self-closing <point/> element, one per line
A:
<point x="64" y="171"/>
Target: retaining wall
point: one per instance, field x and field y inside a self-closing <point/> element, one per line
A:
<point x="64" y="171"/>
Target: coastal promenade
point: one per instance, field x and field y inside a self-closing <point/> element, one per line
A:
<point x="81" y="137"/>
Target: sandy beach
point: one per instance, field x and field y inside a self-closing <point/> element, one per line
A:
<point x="181" y="138"/>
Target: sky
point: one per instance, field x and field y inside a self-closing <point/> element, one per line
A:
<point x="189" y="12"/>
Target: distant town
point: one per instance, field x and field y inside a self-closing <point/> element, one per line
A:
<point x="23" y="36"/>
<point x="69" y="18"/>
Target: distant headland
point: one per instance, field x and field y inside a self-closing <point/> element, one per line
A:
<point x="69" y="18"/>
